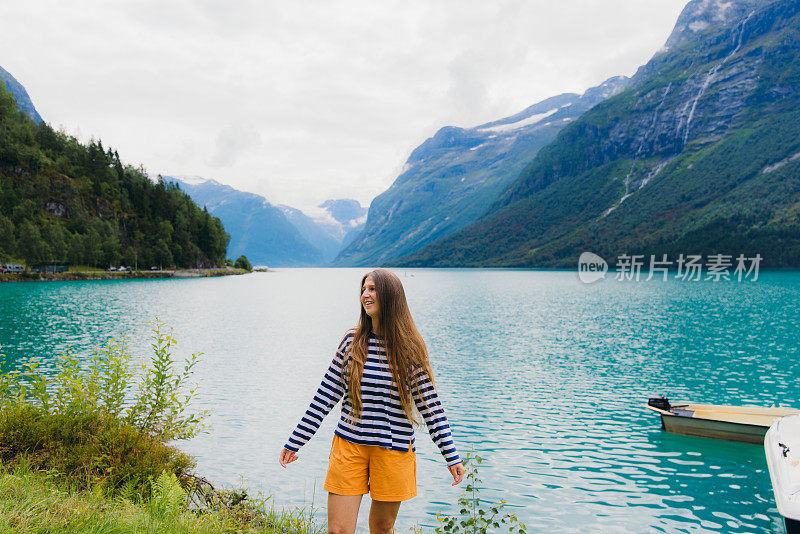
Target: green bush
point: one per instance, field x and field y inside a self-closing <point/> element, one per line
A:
<point x="72" y="438"/>
<point x="158" y="408"/>
<point x="243" y="263"/>
<point x="164" y="394"/>
<point x="79" y="422"/>
<point x="88" y="449"/>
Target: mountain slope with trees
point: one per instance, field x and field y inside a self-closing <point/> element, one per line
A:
<point x="20" y="95"/>
<point x="61" y="200"/>
<point x="699" y="155"/>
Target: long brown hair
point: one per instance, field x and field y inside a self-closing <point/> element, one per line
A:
<point x="405" y="349"/>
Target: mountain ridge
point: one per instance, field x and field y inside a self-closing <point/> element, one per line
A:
<point x="20" y="95"/>
<point x="273" y="234"/>
<point x="332" y="233"/>
<point x="258" y="229"/>
<point x="453" y="176"/>
<point x="662" y="164"/>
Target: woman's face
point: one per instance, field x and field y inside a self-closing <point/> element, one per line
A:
<point x="369" y="298"/>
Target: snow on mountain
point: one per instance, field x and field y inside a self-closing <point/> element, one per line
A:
<point x="533" y="119"/>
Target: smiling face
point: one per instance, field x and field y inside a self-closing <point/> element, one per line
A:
<point x="369" y="298"/>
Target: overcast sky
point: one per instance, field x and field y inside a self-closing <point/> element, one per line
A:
<point x="304" y="101"/>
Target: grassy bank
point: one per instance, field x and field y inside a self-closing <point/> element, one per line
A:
<point x="33" y="502"/>
<point x="111" y="275"/>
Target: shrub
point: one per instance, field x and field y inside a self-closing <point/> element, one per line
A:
<point x="80" y="423"/>
<point x="88" y="449"/>
<point x="476" y="516"/>
<point x="243" y="263"/>
<point x="158" y="408"/>
<point x="78" y="427"/>
<point x="164" y="394"/>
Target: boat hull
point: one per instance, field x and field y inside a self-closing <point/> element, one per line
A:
<point x="782" y="450"/>
<point x="709" y="428"/>
<point x="746" y="424"/>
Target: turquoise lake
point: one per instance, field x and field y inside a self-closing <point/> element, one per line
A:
<point x="542" y="375"/>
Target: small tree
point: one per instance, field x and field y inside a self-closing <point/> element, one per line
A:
<point x="7" y="243"/>
<point x="164" y="393"/>
<point x="101" y="382"/>
<point x="31" y="245"/>
<point x="243" y="263"/>
<point x="53" y="235"/>
<point x="478" y="516"/>
<point x="163" y="254"/>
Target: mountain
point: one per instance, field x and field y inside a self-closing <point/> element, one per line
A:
<point x="258" y="229"/>
<point x="61" y="200"/>
<point x="319" y="236"/>
<point x="452" y="178"/>
<point x="339" y="222"/>
<point x="700" y="154"/>
<point x="20" y="95"/>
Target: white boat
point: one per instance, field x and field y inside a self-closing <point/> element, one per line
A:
<point x="747" y="424"/>
<point x="782" y="447"/>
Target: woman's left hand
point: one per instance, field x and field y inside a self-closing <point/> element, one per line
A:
<point x="457" y="470"/>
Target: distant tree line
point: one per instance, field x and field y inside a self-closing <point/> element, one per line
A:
<point x="61" y="200"/>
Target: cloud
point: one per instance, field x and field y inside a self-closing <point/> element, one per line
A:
<point x="304" y="101"/>
<point x="467" y="94"/>
<point x="232" y="141"/>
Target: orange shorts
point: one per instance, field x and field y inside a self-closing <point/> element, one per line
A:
<point x="385" y="474"/>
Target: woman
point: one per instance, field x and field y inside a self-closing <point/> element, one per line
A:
<point x="381" y="369"/>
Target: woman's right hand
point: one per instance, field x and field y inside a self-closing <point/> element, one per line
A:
<point x="287" y="457"/>
<point x="457" y="470"/>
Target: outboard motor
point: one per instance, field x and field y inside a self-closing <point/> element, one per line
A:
<point x="662" y="403"/>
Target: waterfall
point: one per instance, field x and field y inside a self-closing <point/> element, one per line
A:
<point x="627" y="179"/>
<point x="712" y="73"/>
<point x="709" y="77"/>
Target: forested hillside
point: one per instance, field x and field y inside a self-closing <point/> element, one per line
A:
<point x="61" y="200"/>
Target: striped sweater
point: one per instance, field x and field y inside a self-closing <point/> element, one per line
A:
<point x="383" y="422"/>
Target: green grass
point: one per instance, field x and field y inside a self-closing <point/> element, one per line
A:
<point x="84" y="269"/>
<point x="224" y="272"/>
<point x="34" y="502"/>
